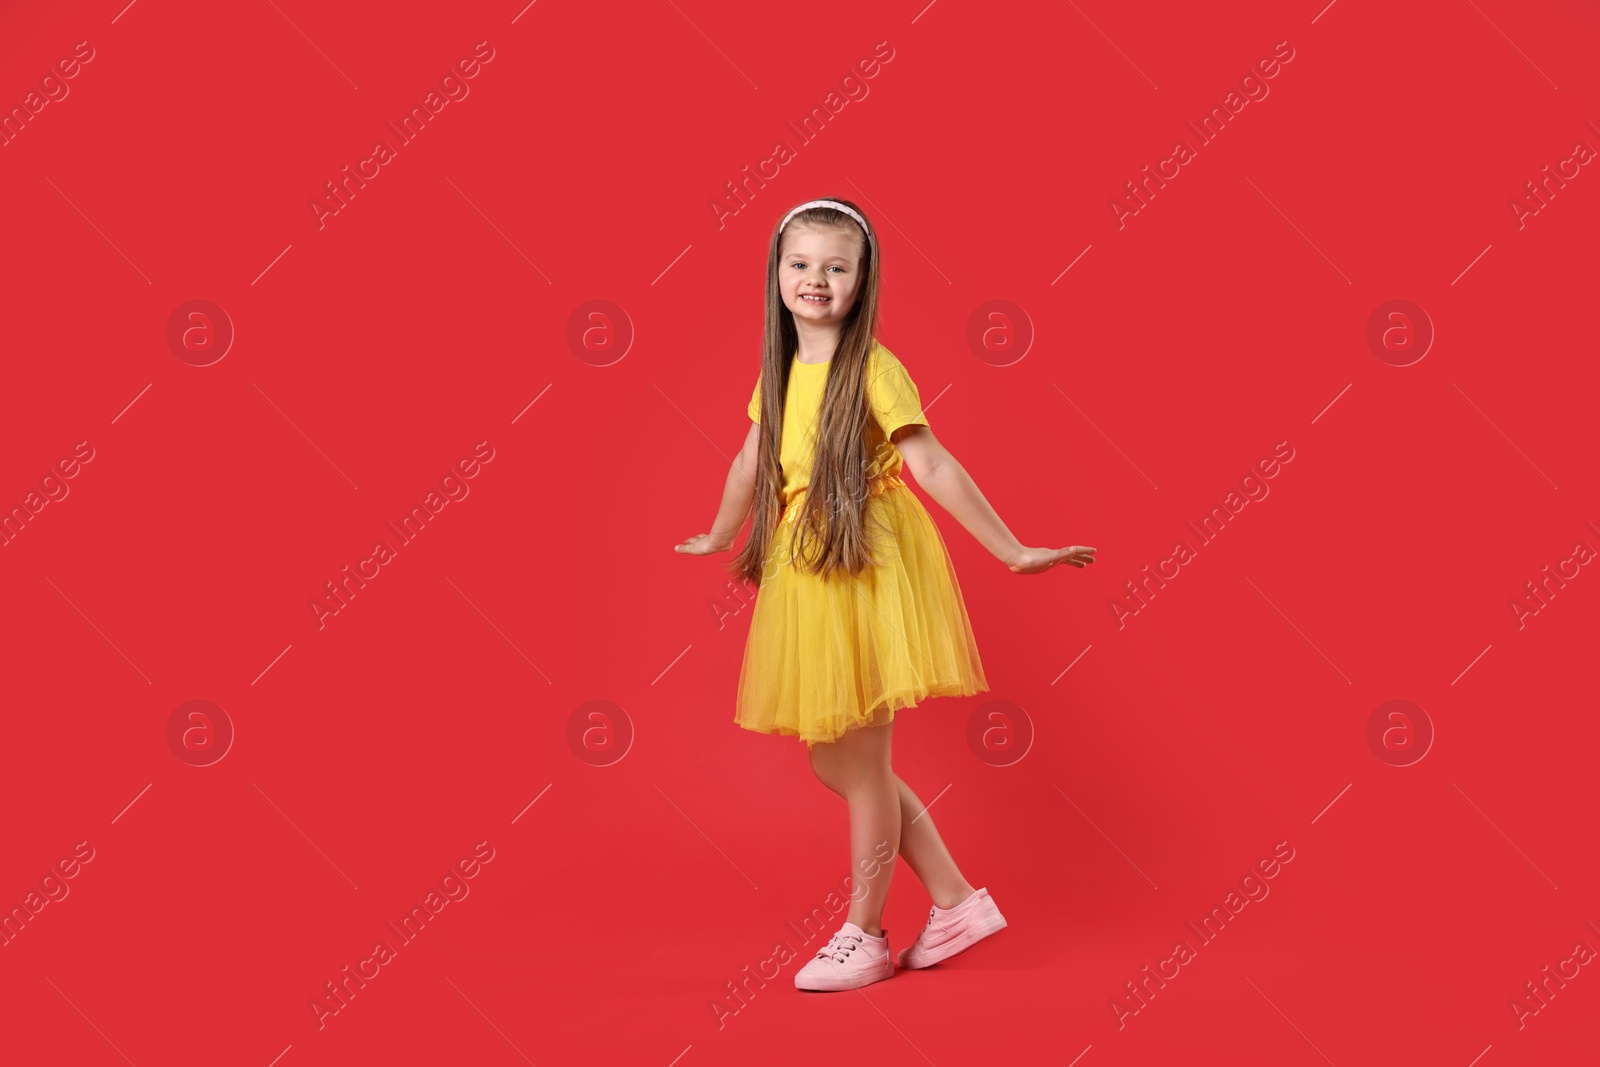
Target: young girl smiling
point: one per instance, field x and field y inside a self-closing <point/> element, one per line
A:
<point x="859" y="613"/>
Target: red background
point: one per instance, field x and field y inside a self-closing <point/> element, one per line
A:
<point x="429" y="313"/>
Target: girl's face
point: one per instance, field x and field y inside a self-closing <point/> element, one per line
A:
<point x="819" y="272"/>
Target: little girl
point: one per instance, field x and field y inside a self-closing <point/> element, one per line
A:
<point x="858" y="613"/>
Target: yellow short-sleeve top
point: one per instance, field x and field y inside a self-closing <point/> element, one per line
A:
<point x="891" y="395"/>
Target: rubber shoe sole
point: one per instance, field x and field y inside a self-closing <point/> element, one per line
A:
<point x="837" y="984"/>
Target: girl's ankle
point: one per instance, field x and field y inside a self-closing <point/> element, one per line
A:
<point x="954" y="899"/>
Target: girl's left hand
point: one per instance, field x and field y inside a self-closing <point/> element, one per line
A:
<point x="1039" y="560"/>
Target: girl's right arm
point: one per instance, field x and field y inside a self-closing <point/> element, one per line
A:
<point x="738" y="493"/>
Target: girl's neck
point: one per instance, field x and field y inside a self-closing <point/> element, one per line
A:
<point x="817" y="343"/>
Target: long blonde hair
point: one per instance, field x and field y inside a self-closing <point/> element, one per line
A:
<point x="831" y="530"/>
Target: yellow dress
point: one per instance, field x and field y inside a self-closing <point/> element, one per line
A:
<point x="827" y="655"/>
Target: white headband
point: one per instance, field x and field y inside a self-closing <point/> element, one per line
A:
<point x="828" y="203"/>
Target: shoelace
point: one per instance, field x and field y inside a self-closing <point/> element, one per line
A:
<point x="840" y="947"/>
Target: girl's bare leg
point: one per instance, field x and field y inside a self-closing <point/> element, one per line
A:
<point x="923" y="849"/>
<point x="856" y="766"/>
<point x="884" y="814"/>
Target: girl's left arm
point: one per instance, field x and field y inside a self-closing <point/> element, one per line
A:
<point x="948" y="482"/>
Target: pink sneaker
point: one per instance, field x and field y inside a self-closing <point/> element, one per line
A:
<point x="950" y="930"/>
<point x="853" y="958"/>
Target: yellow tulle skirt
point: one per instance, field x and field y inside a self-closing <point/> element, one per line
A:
<point x="828" y="655"/>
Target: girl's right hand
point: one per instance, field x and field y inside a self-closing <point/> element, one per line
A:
<point x="703" y="544"/>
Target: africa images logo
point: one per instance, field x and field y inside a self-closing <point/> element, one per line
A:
<point x="453" y="87"/>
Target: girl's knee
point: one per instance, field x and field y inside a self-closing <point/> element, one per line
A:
<point x="825" y="765"/>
